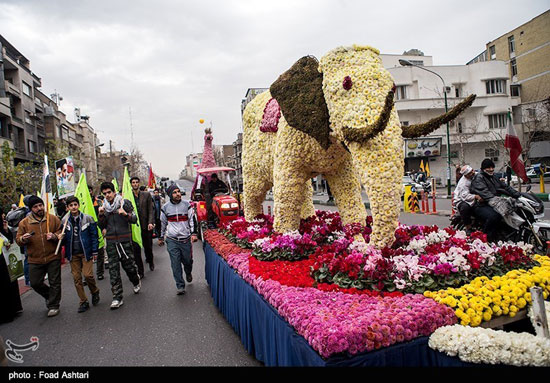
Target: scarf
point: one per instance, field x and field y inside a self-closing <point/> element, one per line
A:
<point x="117" y="203"/>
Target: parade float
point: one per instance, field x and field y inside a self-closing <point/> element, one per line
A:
<point x="315" y="288"/>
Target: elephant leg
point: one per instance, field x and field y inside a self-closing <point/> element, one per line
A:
<point x="346" y="189"/>
<point x="254" y="197"/>
<point x="289" y="189"/>
<point x="308" y="209"/>
<point x="385" y="206"/>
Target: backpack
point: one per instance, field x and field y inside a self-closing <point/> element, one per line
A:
<point x="15" y="216"/>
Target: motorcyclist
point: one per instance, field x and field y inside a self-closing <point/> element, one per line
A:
<point x="464" y="199"/>
<point x="488" y="186"/>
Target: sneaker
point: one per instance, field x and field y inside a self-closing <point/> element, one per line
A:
<point x="83" y="307"/>
<point x="151" y="266"/>
<point x="180" y="291"/>
<point x="95" y="298"/>
<point x="189" y="278"/>
<point x="137" y="287"/>
<point x="116" y="304"/>
<point x="53" y="312"/>
<point x="100" y="277"/>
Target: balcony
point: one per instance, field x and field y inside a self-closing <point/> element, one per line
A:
<point x="5" y="106"/>
<point x="13" y="89"/>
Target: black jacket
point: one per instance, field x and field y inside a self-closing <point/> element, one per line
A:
<point x="119" y="228"/>
<point x="488" y="187"/>
<point x="214" y="186"/>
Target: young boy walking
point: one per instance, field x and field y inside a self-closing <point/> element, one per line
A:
<point x="81" y="246"/>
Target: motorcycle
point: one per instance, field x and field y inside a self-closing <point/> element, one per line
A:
<point x="524" y="224"/>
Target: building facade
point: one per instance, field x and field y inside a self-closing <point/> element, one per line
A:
<point x="19" y="106"/>
<point x="476" y="134"/>
<point x="526" y="51"/>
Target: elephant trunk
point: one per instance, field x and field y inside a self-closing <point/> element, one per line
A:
<point x="419" y="130"/>
<point x="363" y="134"/>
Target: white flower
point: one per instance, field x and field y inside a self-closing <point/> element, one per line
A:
<point x="480" y="345"/>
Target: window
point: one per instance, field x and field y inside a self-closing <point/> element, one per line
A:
<point x="27" y="89"/>
<point x="458" y="90"/>
<point x="492" y="52"/>
<point x="495" y="86"/>
<point x="515" y="90"/>
<point x="4" y="129"/>
<point x="511" y="44"/>
<point x="497" y="121"/>
<point x="32" y="146"/>
<point x="401" y="92"/>
<point x="405" y="123"/>
<point x="492" y="153"/>
<point x="514" y="67"/>
<point x="28" y="118"/>
<point x="459" y="128"/>
<point x="59" y="131"/>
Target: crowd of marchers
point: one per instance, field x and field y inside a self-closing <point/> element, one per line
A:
<point x="45" y="239"/>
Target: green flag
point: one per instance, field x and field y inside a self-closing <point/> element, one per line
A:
<point x="128" y="194"/>
<point x="86" y="205"/>
<point x="116" y="185"/>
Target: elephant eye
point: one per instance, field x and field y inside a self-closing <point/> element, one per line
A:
<point x="347" y="83"/>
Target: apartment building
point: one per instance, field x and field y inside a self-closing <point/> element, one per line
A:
<point x="526" y="51"/>
<point x="476" y="134"/>
<point x="18" y="108"/>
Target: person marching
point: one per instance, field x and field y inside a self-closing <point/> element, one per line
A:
<point x="41" y="242"/>
<point x="81" y="247"/>
<point x="144" y="206"/>
<point x="177" y="225"/>
<point x="115" y="217"/>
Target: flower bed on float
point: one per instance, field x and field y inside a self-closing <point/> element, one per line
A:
<point x="344" y="296"/>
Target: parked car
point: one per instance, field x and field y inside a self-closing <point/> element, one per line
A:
<point x="534" y="177"/>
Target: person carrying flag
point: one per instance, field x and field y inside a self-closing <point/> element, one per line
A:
<point x="40" y="234"/>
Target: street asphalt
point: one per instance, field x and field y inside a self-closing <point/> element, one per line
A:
<point x="153" y="328"/>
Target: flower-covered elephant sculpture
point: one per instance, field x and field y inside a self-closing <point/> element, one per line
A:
<point x="333" y="117"/>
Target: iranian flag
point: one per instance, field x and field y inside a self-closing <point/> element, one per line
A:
<point x="513" y="144"/>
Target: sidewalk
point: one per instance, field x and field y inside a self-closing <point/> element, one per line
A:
<point x="322" y="199"/>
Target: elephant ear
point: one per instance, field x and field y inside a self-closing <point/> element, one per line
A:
<point x="299" y="92"/>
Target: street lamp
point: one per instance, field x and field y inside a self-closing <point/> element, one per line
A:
<point x="408" y="63"/>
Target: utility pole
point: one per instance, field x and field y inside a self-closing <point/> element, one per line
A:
<point x="131" y="130"/>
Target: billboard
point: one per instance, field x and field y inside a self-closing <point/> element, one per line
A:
<point x="64" y="175"/>
<point x="423" y="147"/>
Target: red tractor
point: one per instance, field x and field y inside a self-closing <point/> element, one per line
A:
<point x="225" y="207"/>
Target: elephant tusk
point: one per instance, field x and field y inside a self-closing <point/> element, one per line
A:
<point x="370" y="131"/>
<point x="419" y="130"/>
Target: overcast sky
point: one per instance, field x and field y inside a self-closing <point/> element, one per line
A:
<point x="175" y="62"/>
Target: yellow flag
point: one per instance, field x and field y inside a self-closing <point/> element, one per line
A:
<point x="422" y="166"/>
<point x="128" y="194"/>
<point x="21" y="203"/>
<point x="86" y="205"/>
<point x="427" y="169"/>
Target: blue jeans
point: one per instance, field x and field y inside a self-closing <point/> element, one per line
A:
<point x="180" y="253"/>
